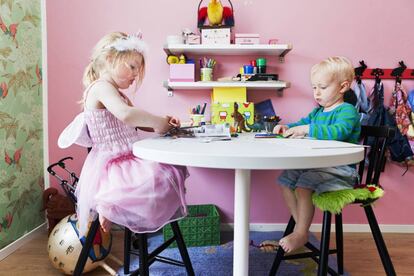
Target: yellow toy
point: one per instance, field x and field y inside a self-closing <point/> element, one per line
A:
<point x="215" y="12"/>
<point x="182" y="59"/>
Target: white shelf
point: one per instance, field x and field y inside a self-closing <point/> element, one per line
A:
<point x="279" y="50"/>
<point x="204" y="85"/>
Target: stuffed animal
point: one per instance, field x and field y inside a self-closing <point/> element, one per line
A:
<point x="216" y="13"/>
<point x="57" y="206"/>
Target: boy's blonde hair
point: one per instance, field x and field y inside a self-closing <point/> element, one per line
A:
<point x="103" y="54"/>
<point x="340" y="68"/>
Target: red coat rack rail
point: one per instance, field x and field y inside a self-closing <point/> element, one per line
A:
<point x="368" y="74"/>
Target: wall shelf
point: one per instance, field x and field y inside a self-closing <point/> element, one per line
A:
<point x="276" y="50"/>
<point x="206" y="85"/>
<point x="279" y="50"/>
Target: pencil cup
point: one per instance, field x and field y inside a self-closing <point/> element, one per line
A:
<point x="206" y="74"/>
<point x="197" y="119"/>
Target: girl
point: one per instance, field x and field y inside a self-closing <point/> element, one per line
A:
<point x="114" y="184"/>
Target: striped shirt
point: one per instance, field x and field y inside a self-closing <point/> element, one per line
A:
<point x="341" y="123"/>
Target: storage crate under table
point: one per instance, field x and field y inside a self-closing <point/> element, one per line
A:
<point x="200" y="228"/>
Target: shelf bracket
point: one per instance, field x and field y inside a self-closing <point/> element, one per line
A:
<point x="170" y="92"/>
<point x="279" y="92"/>
<point x="282" y="56"/>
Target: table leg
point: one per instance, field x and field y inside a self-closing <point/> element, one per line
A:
<point x="241" y="223"/>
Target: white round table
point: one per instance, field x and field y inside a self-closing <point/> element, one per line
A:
<point x="244" y="154"/>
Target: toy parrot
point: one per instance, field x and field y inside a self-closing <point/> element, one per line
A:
<point x="215" y="12"/>
<point x="228" y="16"/>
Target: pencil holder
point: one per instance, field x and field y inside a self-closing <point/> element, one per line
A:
<point x="206" y="74"/>
<point x="197" y="119"/>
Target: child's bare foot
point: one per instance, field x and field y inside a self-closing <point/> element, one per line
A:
<point x="293" y="241"/>
<point x="105" y="223"/>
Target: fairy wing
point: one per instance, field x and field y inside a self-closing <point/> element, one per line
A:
<point x="75" y="133"/>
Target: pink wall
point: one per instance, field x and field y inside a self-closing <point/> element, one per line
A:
<point x="376" y="31"/>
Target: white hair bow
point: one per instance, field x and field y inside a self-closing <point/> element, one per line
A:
<point x="131" y="42"/>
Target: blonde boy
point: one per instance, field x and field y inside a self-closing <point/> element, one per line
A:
<point x="332" y="120"/>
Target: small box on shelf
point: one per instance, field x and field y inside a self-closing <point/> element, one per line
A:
<point x="246" y="39"/>
<point x="215" y="35"/>
<point x="182" y="72"/>
<point x="193" y="39"/>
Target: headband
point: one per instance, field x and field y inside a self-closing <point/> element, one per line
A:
<point x="131" y="42"/>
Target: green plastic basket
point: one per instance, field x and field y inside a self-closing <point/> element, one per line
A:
<point x="200" y="228"/>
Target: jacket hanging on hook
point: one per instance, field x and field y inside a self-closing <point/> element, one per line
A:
<point x="378" y="115"/>
<point x="401" y="111"/>
<point x="362" y="104"/>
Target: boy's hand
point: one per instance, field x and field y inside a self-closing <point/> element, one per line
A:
<point x="280" y="129"/>
<point x="297" y="132"/>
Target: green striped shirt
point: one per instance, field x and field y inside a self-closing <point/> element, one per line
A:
<point x="341" y="124"/>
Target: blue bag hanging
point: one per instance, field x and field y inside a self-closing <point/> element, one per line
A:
<point x="410" y="100"/>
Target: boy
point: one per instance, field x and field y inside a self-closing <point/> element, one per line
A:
<point x="332" y="120"/>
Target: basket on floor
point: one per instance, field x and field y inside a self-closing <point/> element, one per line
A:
<point x="200" y="228"/>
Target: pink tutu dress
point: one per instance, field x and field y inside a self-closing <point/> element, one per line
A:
<point x="139" y="194"/>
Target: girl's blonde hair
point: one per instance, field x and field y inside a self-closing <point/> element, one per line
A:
<point x="103" y="55"/>
<point x="340" y="68"/>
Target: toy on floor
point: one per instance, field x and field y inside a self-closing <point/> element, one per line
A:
<point x="57" y="207"/>
<point x="64" y="247"/>
<point x="64" y="244"/>
<point x="267" y="246"/>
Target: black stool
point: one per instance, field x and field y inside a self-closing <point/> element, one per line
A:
<point x="145" y="258"/>
<point x="377" y="137"/>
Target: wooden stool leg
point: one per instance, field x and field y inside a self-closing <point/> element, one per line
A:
<point x="83" y="257"/>
<point x="280" y="251"/>
<point x="379" y="241"/>
<point x="127" y="250"/>
<point x="183" y="249"/>
<point x="324" y="250"/>
<point x="143" y="255"/>
<point x="339" y="243"/>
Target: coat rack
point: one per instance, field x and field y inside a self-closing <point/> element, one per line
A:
<point x="398" y="73"/>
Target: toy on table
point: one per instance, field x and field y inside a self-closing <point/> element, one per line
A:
<point x="258" y="125"/>
<point x="181" y="132"/>
<point x="270" y="122"/>
<point x="239" y="120"/>
<point x="268" y="135"/>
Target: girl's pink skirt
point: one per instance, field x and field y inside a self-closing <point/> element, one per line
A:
<point x="139" y="194"/>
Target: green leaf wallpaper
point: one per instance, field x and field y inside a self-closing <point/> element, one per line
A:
<point x="21" y="124"/>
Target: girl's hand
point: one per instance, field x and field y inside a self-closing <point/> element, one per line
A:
<point x="297" y="132"/>
<point x="173" y="121"/>
<point x="280" y="129"/>
<point x="167" y="123"/>
<point x="164" y="126"/>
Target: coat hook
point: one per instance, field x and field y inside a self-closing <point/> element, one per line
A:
<point x="359" y="71"/>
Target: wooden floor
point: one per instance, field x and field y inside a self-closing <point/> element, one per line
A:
<point x="361" y="257"/>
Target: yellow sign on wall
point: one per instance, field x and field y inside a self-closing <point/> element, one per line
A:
<point x="229" y="94"/>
